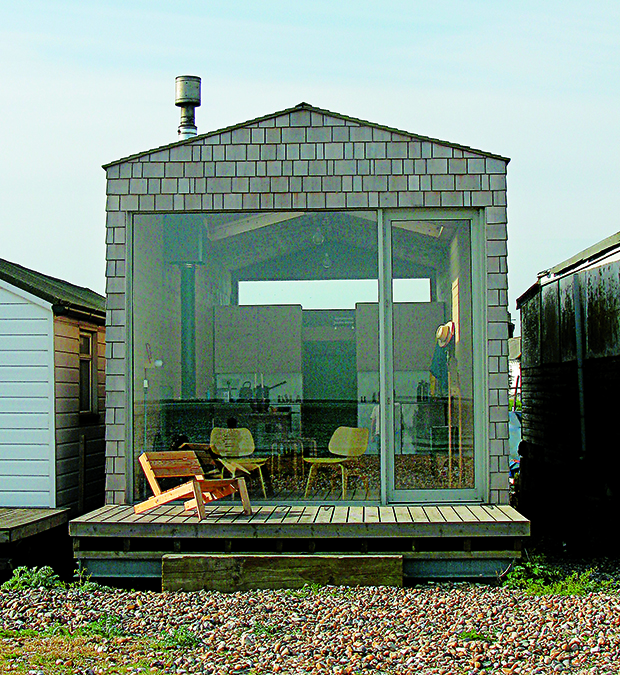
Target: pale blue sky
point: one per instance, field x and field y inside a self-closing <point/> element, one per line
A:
<point x="84" y="83"/>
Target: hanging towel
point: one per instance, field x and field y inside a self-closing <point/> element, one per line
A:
<point x="439" y="370"/>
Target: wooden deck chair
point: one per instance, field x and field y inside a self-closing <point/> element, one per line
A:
<point x="197" y="491"/>
<point x="347" y="445"/>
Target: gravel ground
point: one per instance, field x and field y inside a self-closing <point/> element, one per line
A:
<point x="433" y="628"/>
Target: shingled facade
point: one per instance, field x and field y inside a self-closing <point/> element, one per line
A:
<point x="308" y="161"/>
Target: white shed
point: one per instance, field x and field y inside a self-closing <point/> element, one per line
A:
<point x="51" y="391"/>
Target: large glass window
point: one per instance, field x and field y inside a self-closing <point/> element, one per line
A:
<point x="265" y="322"/>
<point x="269" y="323"/>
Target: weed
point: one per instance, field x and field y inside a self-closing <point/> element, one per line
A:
<point x="470" y="635"/>
<point x="44" y="577"/>
<point x="537" y="577"/>
<point x="305" y="591"/>
<point x="15" y="634"/>
<point x="65" y="655"/>
<point x="178" y="637"/>
<point x="84" y="584"/>
<point x="308" y="590"/>
<point x="266" y="630"/>
<point x="106" y="626"/>
<point x="36" y="577"/>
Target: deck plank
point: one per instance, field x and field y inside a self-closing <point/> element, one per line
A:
<point x="125" y="511"/>
<point x="449" y="514"/>
<point x="434" y="514"/>
<point x="261" y="515"/>
<point x="307" y="521"/>
<point x="371" y="514"/>
<point x="386" y="514"/>
<point x="418" y="515"/>
<point x="402" y="514"/>
<point x="512" y="513"/>
<point x="295" y="514"/>
<point x="95" y="515"/>
<point x="465" y="514"/>
<point x="356" y="514"/>
<point x="340" y="515"/>
<point x="279" y="514"/>
<point x="22" y="523"/>
<point x="497" y="514"/>
<point x="324" y="515"/>
<point x="179" y="516"/>
<point x="225" y="513"/>
<point x="483" y="516"/>
<point x="308" y="515"/>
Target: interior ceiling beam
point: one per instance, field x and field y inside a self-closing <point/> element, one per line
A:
<point x="242" y="225"/>
<point x="342" y="229"/>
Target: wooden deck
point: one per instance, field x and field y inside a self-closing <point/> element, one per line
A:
<point x="113" y="541"/>
<point x="229" y="522"/>
<point x="17" y="524"/>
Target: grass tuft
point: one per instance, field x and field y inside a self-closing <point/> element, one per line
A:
<point x="538" y="577"/>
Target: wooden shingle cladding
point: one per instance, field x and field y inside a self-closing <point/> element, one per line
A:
<point x="51" y="455"/>
<point x="301" y="159"/>
<point x="80" y="436"/>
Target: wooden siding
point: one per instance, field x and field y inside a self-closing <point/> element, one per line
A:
<point x="570" y="490"/>
<point x="80" y="437"/>
<point x="26" y="400"/>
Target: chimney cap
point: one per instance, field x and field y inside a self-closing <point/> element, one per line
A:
<point x="187" y="91"/>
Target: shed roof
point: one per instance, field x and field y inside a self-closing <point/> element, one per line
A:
<point x="591" y="254"/>
<point x="64" y="296"/>
<point x="310" y="108"/>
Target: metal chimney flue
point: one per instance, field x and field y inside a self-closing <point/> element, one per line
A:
<point x="187" y="97"/>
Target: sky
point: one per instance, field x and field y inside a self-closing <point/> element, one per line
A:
<point x="86" y="82"/>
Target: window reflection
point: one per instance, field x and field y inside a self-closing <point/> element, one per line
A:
<point x="433" y="421"/>
<point x="255" y="320"/>
<point x="265" y="327"/>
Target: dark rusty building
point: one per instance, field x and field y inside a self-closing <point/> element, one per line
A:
<point x="570" y="322"/>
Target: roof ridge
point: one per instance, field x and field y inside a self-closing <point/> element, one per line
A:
<point x="305" y="106"/>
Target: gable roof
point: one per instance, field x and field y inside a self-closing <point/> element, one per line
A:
<point x="310" y="108"/>
<point x="65" y="298"/>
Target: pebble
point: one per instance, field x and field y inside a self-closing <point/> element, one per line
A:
<point x="433" y="629"/>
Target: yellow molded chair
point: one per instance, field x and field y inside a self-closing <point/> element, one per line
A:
<point x="349" y="443"/>
<point x="234" y="447"/>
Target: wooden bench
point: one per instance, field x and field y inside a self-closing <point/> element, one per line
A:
<point x="198" y="491"/>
